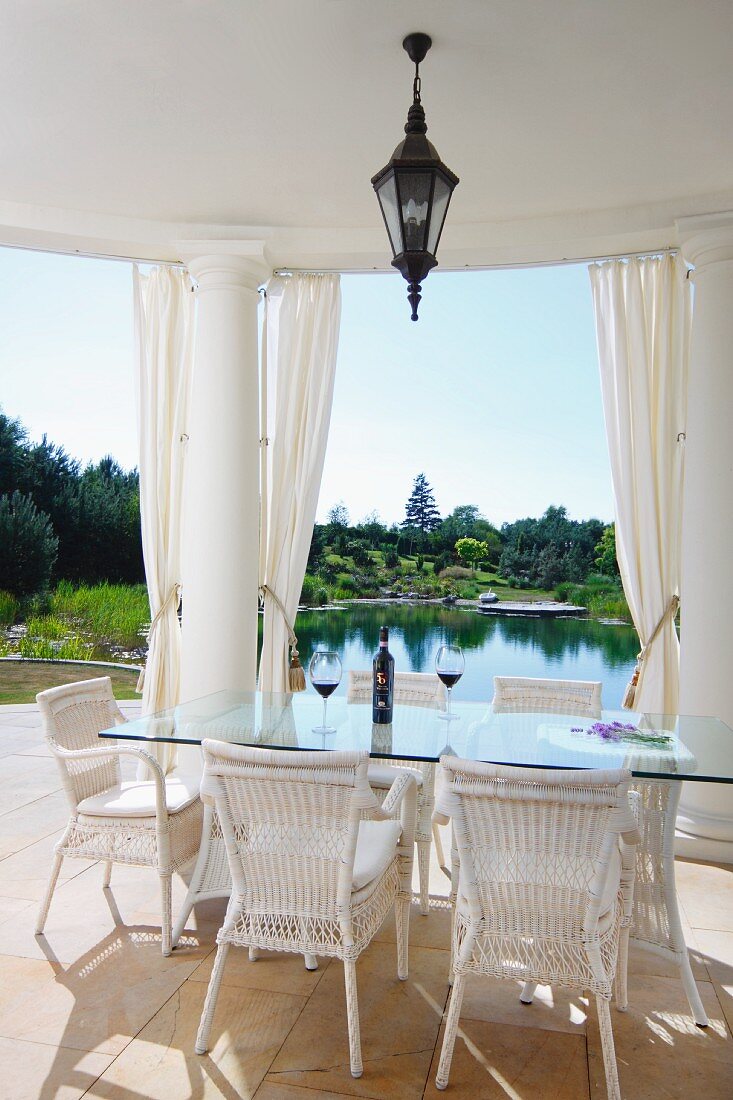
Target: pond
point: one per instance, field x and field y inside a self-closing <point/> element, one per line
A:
<point x="559" y="649"/>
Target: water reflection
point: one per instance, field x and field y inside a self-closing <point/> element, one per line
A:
<point x="573" y="649"/>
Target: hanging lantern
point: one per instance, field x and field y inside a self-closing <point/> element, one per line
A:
<point x="414" y="189"/>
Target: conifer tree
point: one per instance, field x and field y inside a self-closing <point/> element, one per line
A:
<point x="421" y="513"/>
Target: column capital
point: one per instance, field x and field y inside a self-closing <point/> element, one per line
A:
<point x="706" y="239"/>
<point x="226" y="265"/>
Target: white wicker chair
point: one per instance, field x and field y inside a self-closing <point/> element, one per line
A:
<point x="418" y="689"/>
<point x="522" y="693"/>
<point x="656" y="925"/>
<point x="309" y="874"/>
<point x="545" y="888"/>
<point x="153" y="823"/>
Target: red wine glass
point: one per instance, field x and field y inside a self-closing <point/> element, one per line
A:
<point x="325" y="674"/>
<point x="450" y="666"/>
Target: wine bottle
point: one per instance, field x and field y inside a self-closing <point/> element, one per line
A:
<point x="382" y="681"/>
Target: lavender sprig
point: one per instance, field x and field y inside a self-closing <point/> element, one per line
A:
<point x="624" y="731"/>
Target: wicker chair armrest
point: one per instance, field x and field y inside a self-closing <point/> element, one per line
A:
<point x="161" y="808"/>
<point x="392" y="804"/>
<point x="400" y="805"/>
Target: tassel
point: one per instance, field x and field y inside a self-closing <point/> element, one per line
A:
<point x="140" y="681"/>
<point x="296" y="675"/>
<point x="630" y="693"/>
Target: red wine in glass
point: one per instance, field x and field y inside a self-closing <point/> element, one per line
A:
<point x="325" y="674"/>
<point x="325" y="687"/>
<point x="450" y="679"/>
<point x="449" y="665"/>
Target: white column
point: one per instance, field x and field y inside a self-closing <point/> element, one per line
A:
<point x="221" y="518"/>
<point x="705" y="820"/>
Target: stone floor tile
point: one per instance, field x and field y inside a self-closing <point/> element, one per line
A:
<point x="25" y="873"/>
<point x="11" y="907"/>
<point x="35" y="1071"/>
<point x="643" y="961"/>
<point x="160" y="1064"/>
<point x="661" y="1054"/>
<point x="270" y="1090"/>
<point x="717" y="950"/>
<point x="97" y="1003"/>
<point x="706" y="893"/>
<point x="495" y="1001"/>
<point x="273" y="970"/>
<point x="491" y="1062"/>
<point x="46" y="816"/>
<point x="33" y="779"/>
<point x="432" y="930"/>
<point x="399" y="1026"/>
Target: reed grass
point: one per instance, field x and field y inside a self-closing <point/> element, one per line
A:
<point x="46" y="626"/>
<point x="114" y="613"/>
<point x="8" y="609"/>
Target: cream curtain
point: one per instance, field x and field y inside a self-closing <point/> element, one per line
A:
<point x="164" y="321"/>
<point x="643" y="316"/>
<point x="302" y="316"/>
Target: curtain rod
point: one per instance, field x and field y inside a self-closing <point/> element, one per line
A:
<point x="565" y="261"/>
<point x="94" y="255"/>
<point x="671" y="250"/>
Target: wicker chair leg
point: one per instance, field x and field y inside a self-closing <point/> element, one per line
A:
<point x="352" y="1016"/>
<point x="528" y="992"/>
<point x="107" y="875"/>
<point x="198" y="876"/>
<point x="692" y="992"/>
<point x="423" y="871"/>
<point x="212" y="993"/>
<point x="254" y="954"/>
<point x="41" y="922"/>
<point x="451" y="1028"/>
<point x="622" y="966"/>
<point x="438" y="842"/>
<point x="402" y="923"/>
<point x="609" y="1050"/>
<point x="311" y="962"/>
<point x="166" y="892"/>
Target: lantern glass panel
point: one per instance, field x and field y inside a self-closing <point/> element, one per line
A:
<point x="441" y="198"/>
<point x="387" y="195"/>
<point x="415" y="204"/>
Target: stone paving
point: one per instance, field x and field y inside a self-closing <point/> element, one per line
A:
<point x="93" y="1009"/>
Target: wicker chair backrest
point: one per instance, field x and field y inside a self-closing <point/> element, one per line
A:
<point x="290" y="822"/>
<point x="73" y="716"/>
<point x="522" y="693"/>
<point x="415" y="688"/>
<point x="535" y="845"/>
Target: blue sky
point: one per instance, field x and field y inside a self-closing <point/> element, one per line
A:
<point x="493" y="393"/>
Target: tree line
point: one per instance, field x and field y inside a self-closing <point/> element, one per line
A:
<point x="60" y="520"/>
<point x="537" y="553"/>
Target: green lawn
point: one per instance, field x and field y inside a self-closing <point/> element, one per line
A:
<point x="21" y="680"/>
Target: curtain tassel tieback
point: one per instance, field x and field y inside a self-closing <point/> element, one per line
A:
<point x="630" y="693"/>
<point x="173" y="597"/>
<point x="296" y="675"/>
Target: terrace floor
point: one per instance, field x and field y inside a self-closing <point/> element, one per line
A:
<point x="93" y="1009"/>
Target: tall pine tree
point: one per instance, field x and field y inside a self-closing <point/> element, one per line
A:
<point x="421" y="514"/>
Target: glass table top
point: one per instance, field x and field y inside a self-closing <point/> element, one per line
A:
<point x="658" y="746"/>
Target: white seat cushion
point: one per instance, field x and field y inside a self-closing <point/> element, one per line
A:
<point x="384" y="775"/>
<point x="137" y="799"/>
<point x="375" y="850"/>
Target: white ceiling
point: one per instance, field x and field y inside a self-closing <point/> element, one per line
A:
<point x="580" y="119"/>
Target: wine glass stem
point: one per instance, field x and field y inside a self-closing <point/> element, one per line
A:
<point x="325" y="703"/>
<point x="447" y="706"/>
